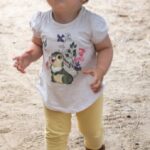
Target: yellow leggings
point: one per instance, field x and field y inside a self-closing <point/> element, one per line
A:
<point x="58" y="127"/>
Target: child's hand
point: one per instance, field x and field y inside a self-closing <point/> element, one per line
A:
<point x="21" y="62"/>
<point x="98" y="78"/>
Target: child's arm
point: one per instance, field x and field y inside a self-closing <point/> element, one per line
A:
<point x="104" y="58"/>
<point x="104" y="55"/>
<point x="33" y="53"/>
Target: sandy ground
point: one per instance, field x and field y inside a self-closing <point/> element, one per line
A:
<point x="127" y="91"/>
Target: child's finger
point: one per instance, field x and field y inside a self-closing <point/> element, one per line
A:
<point x="96" y="88"/>
<point x="96" y="84"/>
<point x="94" y="81"/>
<point x="15" y="65"/>
<point x="17" y="61"/>
<point x="19" y="64"/>
<point x="20" y="69"/>
<point x="88" y="71"/>
<point x="16" y="58"/>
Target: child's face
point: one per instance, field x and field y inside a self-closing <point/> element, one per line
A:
<point x="63" y="5"/>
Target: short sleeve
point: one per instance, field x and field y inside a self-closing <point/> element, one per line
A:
<point x="99" y="29"/>
<point x="35" y="24"/>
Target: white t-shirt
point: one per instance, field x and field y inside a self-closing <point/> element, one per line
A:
<point x="67" y="49"/>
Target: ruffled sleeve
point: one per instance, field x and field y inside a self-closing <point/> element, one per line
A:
<point x="99" y="28"/>
<point x="35" y="24"/>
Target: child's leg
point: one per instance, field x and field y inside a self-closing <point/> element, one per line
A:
<point x="58" y="126"/>
<point x="91" y="126"/>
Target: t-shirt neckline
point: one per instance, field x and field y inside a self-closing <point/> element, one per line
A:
<point x="69" y="23"/>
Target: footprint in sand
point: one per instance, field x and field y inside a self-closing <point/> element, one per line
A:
<point x="4" y="130"/>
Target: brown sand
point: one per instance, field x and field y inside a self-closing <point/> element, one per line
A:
<point x="127" y="90"/>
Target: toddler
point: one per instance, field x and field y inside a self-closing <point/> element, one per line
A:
<point x="77" y="53"/>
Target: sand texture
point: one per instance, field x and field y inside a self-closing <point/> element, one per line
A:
<point x="127" y="84"/>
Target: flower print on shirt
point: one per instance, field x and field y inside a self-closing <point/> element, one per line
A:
<point x="73" y="57"/>
<point x="64" y="37"/>
<point x="60" y="38"/>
